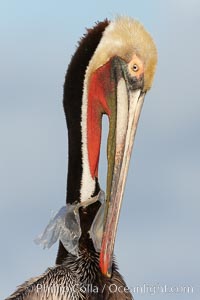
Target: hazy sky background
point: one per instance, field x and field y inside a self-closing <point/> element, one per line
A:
<point x="158" y="238"/>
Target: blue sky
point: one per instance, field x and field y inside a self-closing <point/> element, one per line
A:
<point x="158" y="237"/>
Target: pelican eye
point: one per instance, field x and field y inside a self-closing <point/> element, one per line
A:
<point x="135" y="68"/>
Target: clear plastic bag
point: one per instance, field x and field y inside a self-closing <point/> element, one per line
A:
<point x="65" y="226"/>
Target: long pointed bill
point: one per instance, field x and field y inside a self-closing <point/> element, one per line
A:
<point x="129" y="105"/>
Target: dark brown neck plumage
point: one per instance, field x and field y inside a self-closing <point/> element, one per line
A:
<point x="72" y="102"/>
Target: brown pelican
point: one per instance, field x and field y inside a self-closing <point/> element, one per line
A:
<point x="110" y="73"/>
